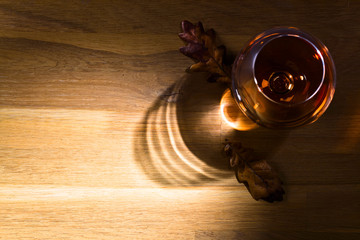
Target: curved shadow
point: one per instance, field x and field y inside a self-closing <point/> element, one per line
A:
<point x="180" y="139"/>
<point x="198" y="115"/>
<point x="163" y="149"/>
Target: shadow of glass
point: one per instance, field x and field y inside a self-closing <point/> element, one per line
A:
<point x="181" y="137"/>
<point x="198" y="115"/>
<point x="201" y="123"/>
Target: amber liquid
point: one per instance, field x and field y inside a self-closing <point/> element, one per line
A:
<point x="283" y="78"/>
<point x="289" y="70"/>
<point x="290" y="75"/>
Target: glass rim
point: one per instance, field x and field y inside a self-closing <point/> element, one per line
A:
<point x="249" y="53"/>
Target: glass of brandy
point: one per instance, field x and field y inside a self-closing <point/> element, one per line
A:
<point x="284" y="77"/>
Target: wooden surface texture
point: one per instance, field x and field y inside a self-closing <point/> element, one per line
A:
<point x="103" y="135"/>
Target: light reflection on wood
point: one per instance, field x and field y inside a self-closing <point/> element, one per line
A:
<point x="232" y="115"/>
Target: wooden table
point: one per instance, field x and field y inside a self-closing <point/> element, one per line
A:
<point x="104" y="135"/>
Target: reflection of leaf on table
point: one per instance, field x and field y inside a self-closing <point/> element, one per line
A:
<point x="257" y="175"/>
<point x="201" y="47"/>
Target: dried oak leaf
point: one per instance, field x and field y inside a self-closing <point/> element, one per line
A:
<point x="201" y="47"/>
<point x="257" y="175"/>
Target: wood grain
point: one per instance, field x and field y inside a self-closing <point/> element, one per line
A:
<point x="104" y="136"/>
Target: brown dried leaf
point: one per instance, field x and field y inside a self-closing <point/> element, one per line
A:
<point x="201" y="47"/>
<point x="257" y="175"/>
